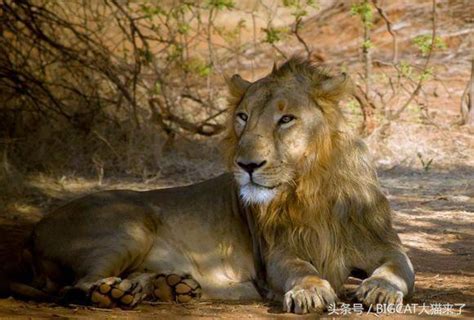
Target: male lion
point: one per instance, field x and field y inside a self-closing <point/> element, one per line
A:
<point x="301" y="210"/>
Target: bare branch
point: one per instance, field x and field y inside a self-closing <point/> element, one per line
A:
<point x="295" y="30"/>
<point x="162" y="115"/>
<point x="368" y="110"/>
<point x="389" y="29"/>
<point x="419" y="85"/>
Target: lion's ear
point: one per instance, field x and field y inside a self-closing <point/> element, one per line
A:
<point x="237" y="85"/>
<point x="334" y="88"/>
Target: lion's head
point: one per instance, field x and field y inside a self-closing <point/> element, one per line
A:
<point x="281" y="125"/>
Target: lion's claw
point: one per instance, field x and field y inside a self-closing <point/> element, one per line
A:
<point x="312" y="299"/>
<point x="374" y="291"/>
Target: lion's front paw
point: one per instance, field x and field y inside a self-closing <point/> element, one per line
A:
<point x="374" y="291"/>
<point x="116" y="292"/>
<point x="309" y="298"/>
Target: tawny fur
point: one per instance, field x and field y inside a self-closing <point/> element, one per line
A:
<point x="311" y="213"/>
<point x="335" y="201"/>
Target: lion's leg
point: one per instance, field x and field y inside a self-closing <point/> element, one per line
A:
<point x="101" y="281"/>
<point x="390" y="282"/>
<point x="303" y="288"/>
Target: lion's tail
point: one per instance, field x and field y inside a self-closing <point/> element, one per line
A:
<point x="16" y="267"/>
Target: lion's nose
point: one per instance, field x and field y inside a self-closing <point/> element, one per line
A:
<point x="250" y="167"/>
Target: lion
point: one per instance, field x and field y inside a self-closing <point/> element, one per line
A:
<point x="299" y="210"/>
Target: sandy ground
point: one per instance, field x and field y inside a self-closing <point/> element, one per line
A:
<point x="433" y="213"/>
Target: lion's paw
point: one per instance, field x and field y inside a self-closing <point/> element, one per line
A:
<point x="116" y="292"/>
<point x="309" y="299"/>
<point x="176" y="288"/>
<point x="375" y="291"/>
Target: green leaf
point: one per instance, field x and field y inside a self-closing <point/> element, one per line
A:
<point x="183" y="28"/>
<point x="423" y="43"/>
<point x="146" y="55"/>
<point x="406" y="69"/>
<point x="198" y="66"/>
<point x="273" y="35"/>
<point x="367" y="44"/>
<point x="150" y="11"/>
<point x="364" y="11"/>
<point x="157" y="88"/>
<point x="220" y="4"/>
<point x="427" y="74"/>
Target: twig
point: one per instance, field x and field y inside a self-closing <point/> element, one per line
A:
<point x="389" y="29"/>
<point x="368" y="109"/>
<point x="214" y="115"/>
<point x="107" y="143"/>
<point x="78" y="306"/>
<point x="164" y="114"/>
<point x="254" y="38"/>
<point x="417" y="90"/>
<point x="158" y="118"/>
<point x="300" y="39"/>
<point x="279" y="51"/>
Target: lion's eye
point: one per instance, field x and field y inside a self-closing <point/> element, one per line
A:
<point x="286" y="119"/>
<point x="242" y="116"/>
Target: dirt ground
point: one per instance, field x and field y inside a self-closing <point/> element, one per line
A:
<point x="433" y="213"/>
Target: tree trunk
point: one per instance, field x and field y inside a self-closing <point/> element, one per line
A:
<point x="467" y="100"/>
<point x="367" y="54"/>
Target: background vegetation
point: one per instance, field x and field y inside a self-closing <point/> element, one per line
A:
<point x="103" y="87"/>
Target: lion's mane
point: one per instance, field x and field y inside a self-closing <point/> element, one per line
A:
<point x="335" y="200"/>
